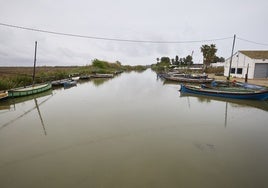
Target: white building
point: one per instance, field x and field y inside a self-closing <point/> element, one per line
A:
<point x="255" y="61"/>
<point x="218" y="64"/>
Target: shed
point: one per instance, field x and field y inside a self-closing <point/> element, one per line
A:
<point x="253" y="62"/>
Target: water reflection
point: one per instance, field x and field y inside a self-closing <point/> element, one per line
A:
<point x="236" y="103"/>
<point x="11" y="104"/>
<point x="40" y="116"/>
<point x="133" y="131"/>
<point x="99" y="81"/>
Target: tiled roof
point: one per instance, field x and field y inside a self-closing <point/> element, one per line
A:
<point x="255" y="54"/>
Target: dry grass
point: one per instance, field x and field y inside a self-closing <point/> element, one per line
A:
<point x="9" y="71"/>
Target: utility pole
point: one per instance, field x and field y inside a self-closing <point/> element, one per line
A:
<point x="228" y="78"/>
<point x="34" y="61"/>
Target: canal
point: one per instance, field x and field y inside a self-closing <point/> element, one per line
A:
<point x="134" y="130"/>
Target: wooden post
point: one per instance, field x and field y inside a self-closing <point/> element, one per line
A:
<point x="246" y="76"/>
<point x="228" y="78"/>
<point x="34" y="61"/>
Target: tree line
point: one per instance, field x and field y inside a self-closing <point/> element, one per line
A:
<point x="209" y="56"/>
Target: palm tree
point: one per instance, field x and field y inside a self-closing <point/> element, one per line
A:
<point x="209" y="54"/>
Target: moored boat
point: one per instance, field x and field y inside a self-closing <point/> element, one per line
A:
<point x="3" y="95"/>
<point x="101" y="75"/>
<point x="75" y="78"/>
<point x="29" y="90"/>
<point x="223" y="83"/>
<point x="228" y="92"/>
<point x="85" y="77"/>
<point x="190" y="78"/>
<point x="69" y="84"/>
<point x="61" y="82"/>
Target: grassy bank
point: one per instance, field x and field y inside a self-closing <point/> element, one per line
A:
<point x="12" y="77"/>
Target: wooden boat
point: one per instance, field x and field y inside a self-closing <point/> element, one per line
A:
<point x="69" y="84"/>
<point x="3" y="95"/>
<point x="75" y="78"/>
<point x="187" y="78"/>
<point x="222" y="83"/>
<point x="190" y="80"/>
<point x="101" y="76"/>
<point x="85" y="77"/>
<point x="29" y="90"/>
<point x="227" y="92"/>
<point x="57" y="83"/>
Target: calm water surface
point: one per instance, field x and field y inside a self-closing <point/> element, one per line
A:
<point x="132" y="131"/>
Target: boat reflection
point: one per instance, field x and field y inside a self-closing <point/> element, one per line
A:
<point x="11" y="104"/>
<point x="99" y="81"/>
<point x="263" y="105"/>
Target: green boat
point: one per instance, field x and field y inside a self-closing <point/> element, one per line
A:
<point x="29" y="90"/>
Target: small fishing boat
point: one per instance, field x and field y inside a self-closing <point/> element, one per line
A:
<point x="69" y="84"/>
<point x="226" y="92"/>
<point x="75" y="78"/>
<point x="58" y="83"/>
<point x="3" y="95"/>
<point x="29" y="90"/>
<point x="101" y="76"/>
<point x="189" y="78"/>
<point x="222" y="83"/>
<point x="84" y="77"/>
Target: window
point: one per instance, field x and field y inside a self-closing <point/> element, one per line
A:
<point x="232" y="70"/>
<point x="239" y="71"/>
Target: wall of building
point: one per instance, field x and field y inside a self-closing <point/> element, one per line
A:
<point x="239" y="66"/>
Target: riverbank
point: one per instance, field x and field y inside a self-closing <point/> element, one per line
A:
<point x="12" y="77"/>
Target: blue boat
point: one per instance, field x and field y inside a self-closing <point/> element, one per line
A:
<point x="227" y="92"/>
<point x="69" y="83"/>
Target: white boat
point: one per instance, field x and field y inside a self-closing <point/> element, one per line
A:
<point x="3" y="95"/>
<point x="75" y="78"/>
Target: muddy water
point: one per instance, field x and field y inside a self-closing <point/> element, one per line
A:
<point x="132" y="131"/>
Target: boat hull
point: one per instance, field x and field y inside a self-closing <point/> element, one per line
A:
<point x="190" y="80"/>
<point x="253" y="95"/>
<point x="30" y="90"/>
<point x="101" y="75"/>
<point x="3" y="96"/>
<point x="69" y="84"/>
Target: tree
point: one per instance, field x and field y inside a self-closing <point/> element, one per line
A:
<point x="177" y="60"/>
<point x="188" y="60"/>
<point x="165" y="60"/>
<point x="209" y="54"/>
<point x="157" y="59"/>
<point x="219" y="59"/>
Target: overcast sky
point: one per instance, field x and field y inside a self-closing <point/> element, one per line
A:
<point x="150" y="20"/>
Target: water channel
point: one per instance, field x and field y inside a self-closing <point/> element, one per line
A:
<point x="134" y="130"/>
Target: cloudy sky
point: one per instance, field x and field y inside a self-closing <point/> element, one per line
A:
<point x="140" y="20"/>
